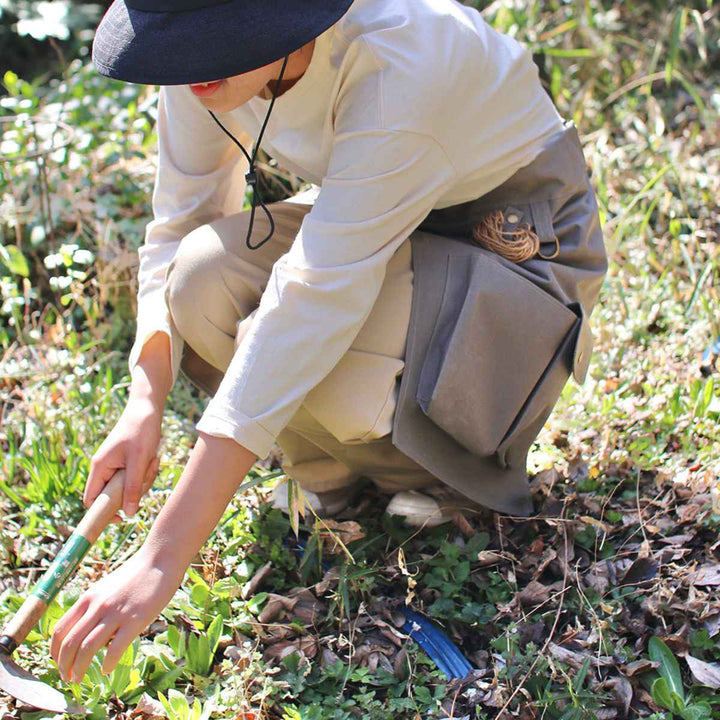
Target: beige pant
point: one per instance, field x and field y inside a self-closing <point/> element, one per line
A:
<point x="342" y="430"/>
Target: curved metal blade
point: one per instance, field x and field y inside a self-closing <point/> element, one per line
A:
<point x="24" y="686"/>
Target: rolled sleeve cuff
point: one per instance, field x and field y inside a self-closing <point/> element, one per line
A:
<point x="249" y="433"/>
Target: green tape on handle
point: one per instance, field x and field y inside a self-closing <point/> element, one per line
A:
<point x="73" y="551"/>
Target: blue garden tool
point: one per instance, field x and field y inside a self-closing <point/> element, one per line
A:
<point x="436" y="644"/>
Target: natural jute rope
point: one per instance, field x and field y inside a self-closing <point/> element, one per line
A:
<point x="516" y="245"/>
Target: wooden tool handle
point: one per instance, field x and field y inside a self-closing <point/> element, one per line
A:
<point x="101" y="512"/>
<point x="96" y="519"/>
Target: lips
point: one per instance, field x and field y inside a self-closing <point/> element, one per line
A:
<point x="205" y="89"/>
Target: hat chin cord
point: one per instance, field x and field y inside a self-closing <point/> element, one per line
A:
<point x="251" y="177"/>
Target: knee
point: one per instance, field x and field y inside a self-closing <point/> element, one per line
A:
<point x="193" y="279"/>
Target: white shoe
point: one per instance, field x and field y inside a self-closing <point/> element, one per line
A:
<point x="419" y="510"/>
<point x="423" y="510"/>
<point x="325" y="504"/>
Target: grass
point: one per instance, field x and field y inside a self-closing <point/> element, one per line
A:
<point x="600" y="606"/>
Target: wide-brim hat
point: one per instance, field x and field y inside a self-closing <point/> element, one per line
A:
<point x="179" y="42"/>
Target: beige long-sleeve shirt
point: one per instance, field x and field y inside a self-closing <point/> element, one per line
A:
<point x="406" y="106"/>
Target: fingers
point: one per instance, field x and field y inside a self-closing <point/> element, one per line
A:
<point x="72" y="641"/>
<point x="134" y="479"/>
<point x="97" y="638"/>
<point x="118" y="646"/>
<point x="134" y="476"/>
<point x="137" y="484"/>
<point x="66" y="623"/>
<point x="132" y="446"/>
<point x="102" y="468"/>
<point x="95" y="484"/>
<point x="151" y="474"/>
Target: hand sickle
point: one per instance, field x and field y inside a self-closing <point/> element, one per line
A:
<point x="15" y="681"/>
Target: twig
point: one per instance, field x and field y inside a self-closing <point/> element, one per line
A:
<point x="499" y="529"/>
<point x="59" y="125"/>
<point x="637" y="503"/>
<point x="16" y="203"/>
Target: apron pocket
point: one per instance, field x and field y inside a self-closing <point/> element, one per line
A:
<point x="496" y="337"/>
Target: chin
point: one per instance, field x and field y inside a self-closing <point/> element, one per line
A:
<point x="218" y="105"/>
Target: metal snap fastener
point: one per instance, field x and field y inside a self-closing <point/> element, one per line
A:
<point x="512" y="218"/>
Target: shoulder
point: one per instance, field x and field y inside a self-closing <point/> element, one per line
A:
<point x="400" y="62"/>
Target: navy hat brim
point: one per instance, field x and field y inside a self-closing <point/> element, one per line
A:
<point x="209" y="43"/>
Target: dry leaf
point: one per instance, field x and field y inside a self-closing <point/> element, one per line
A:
<point x="640" y="572"/>
<point x="398" y="619"/>
<point x="576" y="659"/>
<point x="622" y="690"/>
<point x="712" y="625"/>
<point x="639" y="666"/>
<point x="148" y="708"/>
<point x="705" y="673"/>
<point x="305" y="645"/>
<point x="276" y="606"/>
<point x="599" y="524"/>
<point x="534" y="593"/>
<point x="251" y="586"/>
<point x="328" y="657"/>
<point x="463" y="525"/>
<point x="238" y="656"/>
<point x="677" y="539"/>
<point x="308" y="609"/>
<point x="598" y="577"/>
<point x="346" y="532"/>
<point x="373" y="661"/>
<point x="330" y="580"/>
<point x="705" y="575"/>
<point x="545" y="480"/>
<point x="401" y="666"/>
<point x="488" y="557"/>
<point x="606" y="714"/>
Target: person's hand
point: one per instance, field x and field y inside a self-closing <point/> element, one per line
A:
<point x="115" y="610"/>
<point x="132" y="444"/>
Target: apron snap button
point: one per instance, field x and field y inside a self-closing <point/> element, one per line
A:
<point x="512" y="218"/>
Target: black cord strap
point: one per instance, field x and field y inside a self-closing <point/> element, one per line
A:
<point x="252" y="178"/>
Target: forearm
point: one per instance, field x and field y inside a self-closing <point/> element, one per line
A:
<point x="152" y="375"/>
<point x="215" y="470"/>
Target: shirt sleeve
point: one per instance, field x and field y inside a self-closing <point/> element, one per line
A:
<point x="379" y="186"/>
<point x="200" y="178"/>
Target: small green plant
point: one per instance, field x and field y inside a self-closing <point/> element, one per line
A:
<point x="212" y="599"/>
<point x="178" y="707"/>
<point x="667" y="690"/>
<point x="198" y="650"/>
<point x="124" y="682"/>
<point x="578" y="703"/>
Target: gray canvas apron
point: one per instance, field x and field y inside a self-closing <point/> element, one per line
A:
<point x="491" y="342"/>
